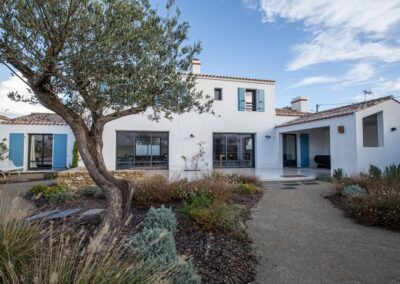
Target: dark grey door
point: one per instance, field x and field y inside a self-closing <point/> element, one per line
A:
<point x="289" y="150"/>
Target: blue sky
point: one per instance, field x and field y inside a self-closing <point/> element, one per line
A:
<point x="328" y="51"/>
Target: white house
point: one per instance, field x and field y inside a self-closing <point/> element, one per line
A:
<point x="39" y="141"/>
<point x="247" y="131"/>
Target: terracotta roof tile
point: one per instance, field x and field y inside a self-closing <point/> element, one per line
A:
<point x="2" y="117"/>
<point x="209" y="76"/>
<point x="37" y="119"/>
<point x="289" y="112"/>
<point x="335" y="112"/>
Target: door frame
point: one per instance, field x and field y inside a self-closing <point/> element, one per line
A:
<point x="29" y="152"/>
<point x="283" y="150"/>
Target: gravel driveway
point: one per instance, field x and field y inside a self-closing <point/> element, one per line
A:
<point x="301" y="238"/>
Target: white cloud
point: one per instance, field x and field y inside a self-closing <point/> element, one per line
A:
<point x="315" y="80"/>
<point x="388" y="86"/>
<point x="11" y="108"/>
<point x="341" y="30"/>
<point x="356" y="74"/>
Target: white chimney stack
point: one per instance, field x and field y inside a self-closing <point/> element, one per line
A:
<point x="300" y="104"/>
<point x="196" y="66"/>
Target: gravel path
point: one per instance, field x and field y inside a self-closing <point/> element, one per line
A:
<point x="300" y="237"/>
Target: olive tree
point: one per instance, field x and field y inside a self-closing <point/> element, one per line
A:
<point x="95" y="61"/>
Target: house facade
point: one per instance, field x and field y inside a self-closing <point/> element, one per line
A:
<point x="38" y="142"/>
<point x="246" y="131"/>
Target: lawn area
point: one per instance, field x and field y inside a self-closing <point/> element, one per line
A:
<point x="372" y="198"/>
<point x="180" y="232"/>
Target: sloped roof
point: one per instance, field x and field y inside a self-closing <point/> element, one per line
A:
<point x="37" y="119"/>
<point x="209" y="76"/>
<point x="289" y="112"/>
<point x="2" y="117"/>
<point x="335" y="112"/>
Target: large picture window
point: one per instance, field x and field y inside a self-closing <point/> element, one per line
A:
<point x="142" y="150"/>
<point x="233" y="150"/>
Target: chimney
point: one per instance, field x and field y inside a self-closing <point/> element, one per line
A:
<point x="299" y="104"/>
<point x="196" y="66"/>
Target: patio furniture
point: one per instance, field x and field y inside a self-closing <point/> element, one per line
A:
<point x="323" y="161"/>
<point x="7" y="166"/>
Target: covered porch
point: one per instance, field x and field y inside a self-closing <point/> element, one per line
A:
<point x="305" y="148"/>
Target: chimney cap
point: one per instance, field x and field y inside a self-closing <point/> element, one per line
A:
<point x="299" y="99"/>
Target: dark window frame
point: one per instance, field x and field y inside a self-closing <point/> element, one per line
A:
<point x="220" y="94"/>
<point x="143" y="132"/>
<point x="225" y="134"/>
<point x="42" y="156"/>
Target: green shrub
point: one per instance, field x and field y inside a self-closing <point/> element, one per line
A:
<point x="75" y="156"/>
<point x="37" y="189"/>
<point x="162" y="217"/>
<point x="56" y="194"/>
<point x="247" y="189"/>
<point x="324" y="177"/>
<point x="338" y="174"/>
<point x="392" y="172"/>
<point x="353" y="190"/>
<point x="377" y="210"/>
<point x="94" y="192"/>
<point x="374" y="171"/>
<point x="50" y="176"/>
<point x="186" y="273"/>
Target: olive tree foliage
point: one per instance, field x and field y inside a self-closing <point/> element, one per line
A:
<point x="94" y="61"/>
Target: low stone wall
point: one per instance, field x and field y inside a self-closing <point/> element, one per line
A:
<point x="78" y="179"/>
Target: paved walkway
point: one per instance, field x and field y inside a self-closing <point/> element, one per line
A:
<point x="301" y="238"/>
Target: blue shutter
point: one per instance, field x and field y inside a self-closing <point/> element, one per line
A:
<point x="241" y="99"/>
<point x="16" y="149"/>
<point x="304" y="150"/>
<point x="260" y="102"/>
<point x="60" y="151"/>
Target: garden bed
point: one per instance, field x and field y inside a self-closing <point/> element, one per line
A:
<point x="220" y="254"/>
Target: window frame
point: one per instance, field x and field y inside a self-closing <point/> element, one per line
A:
<point x="220" y="94"/>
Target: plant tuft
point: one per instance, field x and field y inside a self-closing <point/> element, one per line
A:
<point x="353" y="190"/>
<point x="162" y="217"/>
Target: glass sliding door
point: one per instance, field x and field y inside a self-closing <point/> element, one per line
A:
<point x="40" y="154"/>
<point x="289" y="150"/>
<point x="142" y="150"/>
<point x="233" y="150"/>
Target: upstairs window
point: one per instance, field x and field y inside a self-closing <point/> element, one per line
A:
<point x="218" y="94"/>
<point x="373" y="130"/>
<point x="250" y="100"/>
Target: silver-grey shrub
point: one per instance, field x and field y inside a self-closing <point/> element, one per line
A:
<point x="353" y="190"/>
<point x="160" y="218"/>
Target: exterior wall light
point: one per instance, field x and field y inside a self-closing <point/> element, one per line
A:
<point x="268" y="136"/>
<point x="393" y="129"/>
<point x="191" y="135"/>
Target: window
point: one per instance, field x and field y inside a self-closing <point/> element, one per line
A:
<point x="373" y="130"/>
<point x="40" y="155"/>
<point x="218" y="94"/>
<point x="233" y="150"/>
<point x="144" y="150"/>
<point x="250" y="100"/>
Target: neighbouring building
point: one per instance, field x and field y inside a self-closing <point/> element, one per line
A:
<point x="39" y="141"/>
<point x="246" y="131"/>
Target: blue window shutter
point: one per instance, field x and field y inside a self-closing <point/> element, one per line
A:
<point x="60" y="151"/>
<point x="241" y="99"/>
<point x="260" y="103"/>
<point x="16" y="149"/>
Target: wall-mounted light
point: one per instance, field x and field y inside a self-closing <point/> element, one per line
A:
<point x="393" y="129"/>
<point x="191" y="135"/>
<point x="268" y="136"/>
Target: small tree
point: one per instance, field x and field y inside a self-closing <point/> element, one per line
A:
<point x="75" y="155"/>
<point x="3" y="151"/>
<point x="94" y="61"/>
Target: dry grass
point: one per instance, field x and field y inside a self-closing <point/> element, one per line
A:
<point x="30" y="253"/>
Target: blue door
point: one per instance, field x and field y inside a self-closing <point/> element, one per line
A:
<point x="16" y="149"/>
<point x="304" y="150"/>
<point x="60" y="152"/>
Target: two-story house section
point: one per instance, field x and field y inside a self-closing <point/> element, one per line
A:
<point x="239" y="135"/>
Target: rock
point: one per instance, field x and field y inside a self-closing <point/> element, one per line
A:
<point x="44" y="214"/>
<point x="65" y="213"/>
<point x="92" y="212"/>
<point x="93" y="216"/>
<point x="241" y="226"/>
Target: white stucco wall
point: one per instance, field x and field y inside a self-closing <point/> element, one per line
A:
<point x="390" y="151"/>
<point x="227" y="119"/>
<point x="6" y="129"/>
